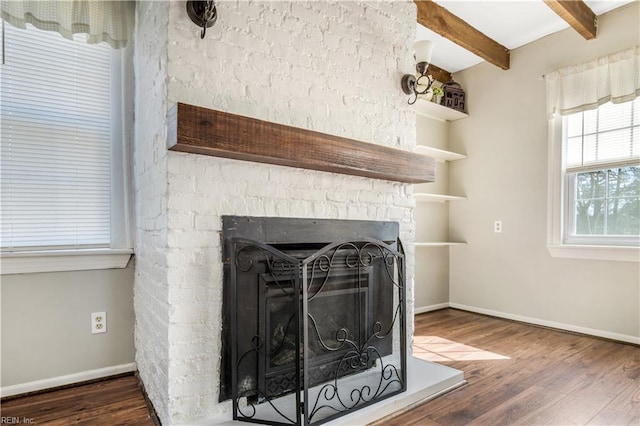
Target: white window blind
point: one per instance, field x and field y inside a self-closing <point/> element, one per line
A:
<point x="608" y="135"/>
<point x="56" y="142"/>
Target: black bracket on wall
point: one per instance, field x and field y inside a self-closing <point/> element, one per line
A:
<point x="203" y="14"/>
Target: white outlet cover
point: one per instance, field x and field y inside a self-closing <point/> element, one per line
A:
<point x="98" y="322"/>
<point x="497" y="226"/>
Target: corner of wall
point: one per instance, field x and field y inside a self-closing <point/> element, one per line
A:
<point x="150" y="181"/>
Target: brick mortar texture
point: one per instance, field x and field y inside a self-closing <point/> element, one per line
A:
<point x="332" y="67"/>
<point x="151" y="288"/>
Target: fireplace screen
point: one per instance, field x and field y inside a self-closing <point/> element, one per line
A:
<point x="314" y="323"/>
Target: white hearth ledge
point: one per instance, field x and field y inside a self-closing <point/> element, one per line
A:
<point x="425" y="381"/>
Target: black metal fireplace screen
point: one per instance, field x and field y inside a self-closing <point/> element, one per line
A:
<point x="314" y="322"/>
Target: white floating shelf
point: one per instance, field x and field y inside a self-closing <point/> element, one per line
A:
<point x="437" y="111"/>
<point x="440" y="244"/>
<point x="439" y="154"/>
<point x="436" y="198"/>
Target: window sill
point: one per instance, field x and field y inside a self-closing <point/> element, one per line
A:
<point x="611" y="253"/>
<point x="63" y="260"/>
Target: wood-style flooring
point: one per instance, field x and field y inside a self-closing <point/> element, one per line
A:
<point x="524" y="375"/>
<point x="117" y="401"/>
<point x="517" y="375"/>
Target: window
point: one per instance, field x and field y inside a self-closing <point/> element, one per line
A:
<point x="594" y="156"/>
<point x="602" y="166"/>
<point x="64" y="173"/>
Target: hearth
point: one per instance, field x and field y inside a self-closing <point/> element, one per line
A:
<point x="314" y="317"/>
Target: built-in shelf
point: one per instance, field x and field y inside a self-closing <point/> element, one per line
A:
<point x="437" y="111"/>
<point x="439" y="154"/>
<point x="436" y="198"/>
<point x="440" y="244"/>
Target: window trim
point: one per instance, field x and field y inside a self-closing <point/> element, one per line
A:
<point x="556" y="209"/>
<point x="24" y="262"/>
<point x="121" y="151"/>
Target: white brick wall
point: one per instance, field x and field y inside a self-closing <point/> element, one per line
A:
<point x="332" y="67"/>
<point x="151" y="290"/>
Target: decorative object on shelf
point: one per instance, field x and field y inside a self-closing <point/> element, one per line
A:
<point x="437" y="95"/>
<point x="203" y="14"/>
<point x="422" y="84"/>
<point x="454" y="96"/>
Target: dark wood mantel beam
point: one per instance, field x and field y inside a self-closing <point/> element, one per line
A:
<point x="205" y="131"/>
<point x="441" y="21"/>
<point x="577" y="14"/>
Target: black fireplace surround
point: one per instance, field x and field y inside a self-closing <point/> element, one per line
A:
<point x="313" y="317"/>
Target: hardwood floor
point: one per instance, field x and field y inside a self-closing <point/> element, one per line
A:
<point x="517" y="374"/>
<point x="117" y="401"/>
<point x="524" y="375"/>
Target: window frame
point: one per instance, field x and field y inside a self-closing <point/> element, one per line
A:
<point x="120" y="250"/>
<point x="557" y="211"/>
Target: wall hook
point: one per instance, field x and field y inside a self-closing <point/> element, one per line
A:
<point x="203" y="14"/>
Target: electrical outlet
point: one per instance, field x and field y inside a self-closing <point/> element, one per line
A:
<point x="497" y="226"/>
<point x="98" y="322"/>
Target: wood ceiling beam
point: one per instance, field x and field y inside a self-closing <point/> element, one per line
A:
<point x="441" y="21"/>
<point x="577" y="14"/>
<point x="438" y="73"/>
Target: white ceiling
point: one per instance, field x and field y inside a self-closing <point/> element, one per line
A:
<point x="512" y="23"/>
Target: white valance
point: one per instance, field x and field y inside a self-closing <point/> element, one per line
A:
<point x="614" y="78"/>
<point x="103" y="20"/>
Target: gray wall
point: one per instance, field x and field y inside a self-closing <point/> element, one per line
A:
<point x="432" y="222"/>
<point x="505" y="178"/>
<point x="46" y="327"/>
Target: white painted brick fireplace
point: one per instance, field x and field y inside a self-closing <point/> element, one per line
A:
<point x="328" y="66"/>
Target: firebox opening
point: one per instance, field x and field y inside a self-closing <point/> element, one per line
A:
<point x="335" y="307"/>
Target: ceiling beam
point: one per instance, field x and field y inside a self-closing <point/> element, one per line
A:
<point x="441" y="21"/>
<point x="438" y="73"/>
<point x="577" y="14"/>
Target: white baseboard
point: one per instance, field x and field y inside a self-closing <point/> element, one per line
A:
<point x="69" y="379"/>
<point x="552" y="324"/>
<point x="423" y="309"/>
